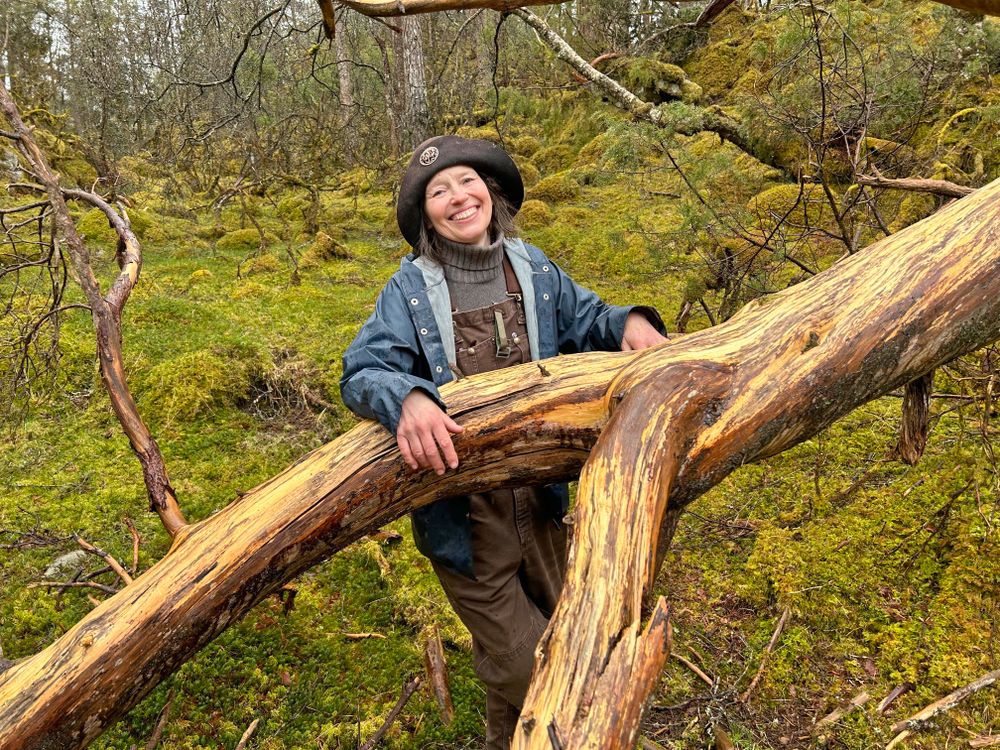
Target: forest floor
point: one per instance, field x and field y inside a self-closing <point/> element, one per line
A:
<point x="889" y="574"/>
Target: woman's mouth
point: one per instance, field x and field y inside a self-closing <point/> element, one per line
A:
<point x="467" y="213"/>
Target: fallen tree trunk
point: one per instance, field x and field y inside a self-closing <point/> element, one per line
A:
<point x="663" y="425"/>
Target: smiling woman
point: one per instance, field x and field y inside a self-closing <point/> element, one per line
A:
<point x="473" y="298"/>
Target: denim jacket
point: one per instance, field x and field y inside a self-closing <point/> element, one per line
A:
<point x="401" y="347"/>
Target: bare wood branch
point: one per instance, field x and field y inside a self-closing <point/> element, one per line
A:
<point x="694" y="668"/>
<point x="782" y="621"/>
<point x="988" y="740"/>
<point x="105" y="312"/>
<point x="915" y="422"/>
<point x="437" y="672"/>
<point x="918" y="185"/>
<point x="111" y="561"/>
<point x="712" y="119"/>
<point x="947" y="703"/>
<point x="838" y="713"/>
<point x="161" y="723"/>
<point x="247" y="735"/>
<point x="706" y="405"/>
<point x="893" y="696"/>
<point x="408" y="690"/>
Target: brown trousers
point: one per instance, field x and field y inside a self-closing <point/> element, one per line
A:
<point x="519" y="558"/>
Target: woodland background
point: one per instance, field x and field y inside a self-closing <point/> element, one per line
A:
<point x="259" y="158"/>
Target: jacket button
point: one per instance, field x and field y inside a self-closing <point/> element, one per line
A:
<point x="545" y="296"/>
<point x="439" y="368"/>
<point x="545" y="268"/>
<point x="414" y="301"/>
<point x="423" y="331"/>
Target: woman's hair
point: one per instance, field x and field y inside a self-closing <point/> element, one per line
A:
<point x="501" y="223"/>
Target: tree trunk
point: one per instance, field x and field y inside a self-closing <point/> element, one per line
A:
<point x="417" y="116"/>
<point x="663" y="425"/>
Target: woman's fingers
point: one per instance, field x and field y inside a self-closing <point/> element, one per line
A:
<point x="432" y="457"/>
<point x="452" y="426"/>
<point x="443" y="438"/>
<point x="404" y="449"/>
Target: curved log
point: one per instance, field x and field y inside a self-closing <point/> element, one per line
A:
<point x="664" y="425"/>
<point x="777" y="373"/>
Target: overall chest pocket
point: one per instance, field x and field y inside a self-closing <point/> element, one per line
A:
<point x="491" y="338"/>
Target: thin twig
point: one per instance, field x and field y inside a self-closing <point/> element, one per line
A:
<point x="247" y="734"/>
<point x="136" y="541"/>
<point x="404" y="696"/>
<point x="694" y="668"/>
<point x="111" y="561"/>
<point x="834" y="716"/>
<point x="73" y="584"/>
<point x="947" y="703"/>
<point x="782" y="621"/>
<point x="161" y="723"/>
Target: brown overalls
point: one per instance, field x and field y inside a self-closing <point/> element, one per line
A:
<point x="518" y="550"/>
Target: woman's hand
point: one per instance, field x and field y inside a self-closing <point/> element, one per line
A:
<point x="424" y="434"/>
<point x="639" y="333"/>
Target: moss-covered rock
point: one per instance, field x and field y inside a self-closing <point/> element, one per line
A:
<point x="262" y="264"/>
<point x="655" y="81"/>
<point x="529" y="173"/>
<point x="558" y="187"/>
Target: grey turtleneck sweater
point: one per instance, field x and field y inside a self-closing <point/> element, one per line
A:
<point x="474" y="274"/>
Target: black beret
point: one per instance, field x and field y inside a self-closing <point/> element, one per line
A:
<point x="444" y="151"/>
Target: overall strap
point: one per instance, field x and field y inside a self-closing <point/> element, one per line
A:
<point x="513" y="285"/>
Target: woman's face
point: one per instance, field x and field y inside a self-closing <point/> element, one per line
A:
<point x="459" y="206"/>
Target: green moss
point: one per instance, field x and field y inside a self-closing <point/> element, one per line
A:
<point x="533" y="214"/>
<point x="553" y="159"/>
<point x="189" y="385"/>
<point x="93" y="226"/>
<point x="239" y="242"/>
<point x="655" y="81"/>
<point x="558" y="187"/>
<point x="484" y="133"/>
<point x="525" y="146"/>
<point x="529" y="173"/>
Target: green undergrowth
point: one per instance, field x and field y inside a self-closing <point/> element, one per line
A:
<point x="233" y="339"/>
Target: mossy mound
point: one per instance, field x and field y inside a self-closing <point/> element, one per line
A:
<point x="800" y="206"/>
<point x="533" y="214"/>
<point x="913" y="208"/>
<point x="239" y="242"/>
<point x="484" y="133"/>
<point x="595" y="149"/>
<point x="553" y="159"/>
<point x="558" y="187"/>
<point x="93" y="226"/>
<point x="324" y="248"/>
<point x="262" y="264"/>
<point x="187" y="386"/>
<point x="529" y="173"/>
<point x="524" y="145"/>
<point x="655" y="81"/>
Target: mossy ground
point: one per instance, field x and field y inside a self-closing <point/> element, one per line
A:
<point x="891" y="574"/>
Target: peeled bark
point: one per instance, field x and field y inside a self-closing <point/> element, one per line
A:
<point x="664" y="425"/>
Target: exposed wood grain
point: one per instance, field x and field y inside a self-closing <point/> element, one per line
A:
<point x="662" y="426"/>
